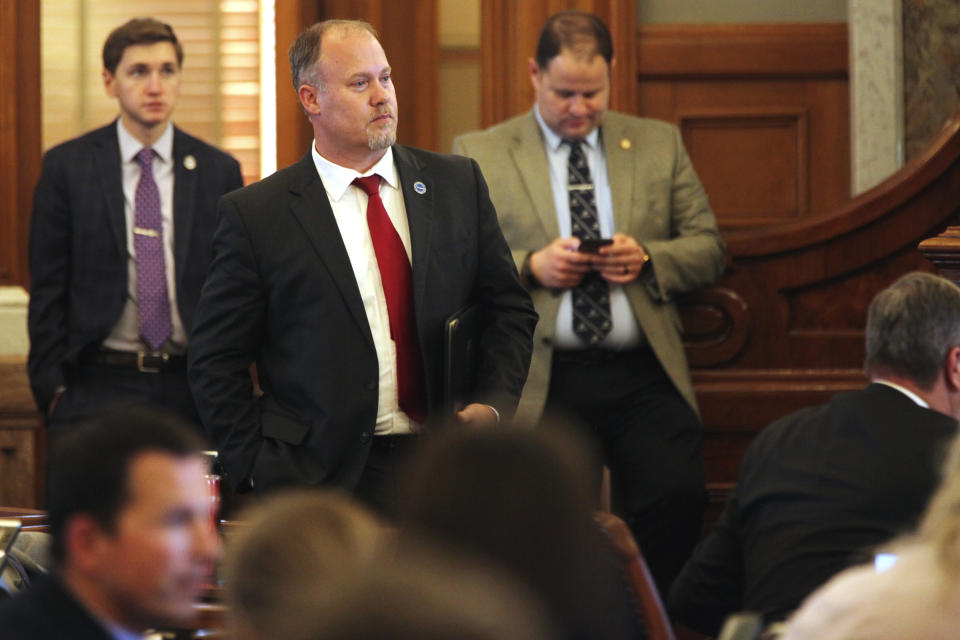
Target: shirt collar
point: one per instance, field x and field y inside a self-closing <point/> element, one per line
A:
<point x="336" y="179"/>
<point x="553" y="141"/>
<point x="130" y="146"/>
<point x="910" y="394"/>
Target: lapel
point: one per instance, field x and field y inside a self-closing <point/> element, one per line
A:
<point x="420" y="212"/>
<point x="530" y="160"/>
<point x="107" y="160"/>
<point x="184" y="190"/>
<point x="311" y="207"/>
<point x="618" y="149"/>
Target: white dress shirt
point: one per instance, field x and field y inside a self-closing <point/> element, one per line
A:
<point x="625" y="333"/>
<point x="125" y="335"/>
<point x="349" y="204"/>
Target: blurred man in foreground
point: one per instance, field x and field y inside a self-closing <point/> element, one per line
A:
<point x="132" y="540"/>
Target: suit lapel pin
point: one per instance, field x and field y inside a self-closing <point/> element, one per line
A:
<point x="624" y="144"/>
<point x="190" y="163"/>
<point x="419" y="187"/>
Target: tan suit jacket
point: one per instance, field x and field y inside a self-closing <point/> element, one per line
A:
<point x="657" y="199"/>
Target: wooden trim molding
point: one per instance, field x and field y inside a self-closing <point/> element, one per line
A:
<point x="673" y="51"/>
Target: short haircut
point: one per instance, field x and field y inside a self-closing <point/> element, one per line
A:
<point x="292" y="554"/>
<point x="305" y="50"/>
<point x="89" y="470"/>
<point x="138" y="31"/>
<point x="577" y="31"/>
<point x="911" y="326"/>
<point x="427" y="591"/>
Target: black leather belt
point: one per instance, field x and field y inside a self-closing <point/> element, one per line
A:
<point x="597" y="356"/>
<point x="142" y="361"/>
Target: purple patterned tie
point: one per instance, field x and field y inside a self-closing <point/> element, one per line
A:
<point x="152" y="298"/>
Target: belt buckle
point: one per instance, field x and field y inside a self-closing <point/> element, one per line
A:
<point x="142" y="366"/>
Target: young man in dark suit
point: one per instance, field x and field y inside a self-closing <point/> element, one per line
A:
<point x="132" y="541"/>
<point x="120" y="242"/>
<point x="335" y="275"/>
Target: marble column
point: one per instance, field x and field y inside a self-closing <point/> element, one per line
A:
<point x="876" y="91"/>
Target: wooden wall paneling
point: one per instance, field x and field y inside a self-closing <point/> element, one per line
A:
<point x="22" y="438"/>
<point x="294" y="132"/>
<point x="509" y="32"/>
<point x="763" y="108"/>
<point x="766" y="146"/>
<point x="20" y="134"/>
<point x="408" y="30"/>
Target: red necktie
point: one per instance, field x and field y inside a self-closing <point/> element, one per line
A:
<point x="397" y="278"/>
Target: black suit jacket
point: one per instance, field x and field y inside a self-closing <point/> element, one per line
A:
<point x="818" y="490"/>
<point x="78" y="245"/>
<point x="48" y="612"/>
<point x="281" y="292"/>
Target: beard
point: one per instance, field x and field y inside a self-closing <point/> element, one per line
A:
<point x="378" y="141"/>
<point x="383" y="137"/>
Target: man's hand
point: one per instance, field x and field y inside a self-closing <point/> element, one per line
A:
<point x="559" y="265"/>
<point x="622" y="261"/>
<point x="478" y="415"/>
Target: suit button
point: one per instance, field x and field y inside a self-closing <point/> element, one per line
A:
<point x="365" y="436"/>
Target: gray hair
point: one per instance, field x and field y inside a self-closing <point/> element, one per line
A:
<point x="305" y="50"/>
<point x="911" y="326"/>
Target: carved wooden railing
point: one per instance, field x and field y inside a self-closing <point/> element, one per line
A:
<point x="784" y="327"/>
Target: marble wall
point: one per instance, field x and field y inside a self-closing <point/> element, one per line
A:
<point x="931" y="69"/>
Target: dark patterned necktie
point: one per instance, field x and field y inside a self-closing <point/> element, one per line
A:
<point x="591" y="298"/>
<point x="153" y="302"/>
<point x="397" y="278"/>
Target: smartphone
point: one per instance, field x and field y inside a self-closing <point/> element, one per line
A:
<point x="592" y="245"/>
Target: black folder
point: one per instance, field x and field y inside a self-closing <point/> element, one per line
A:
<point x="461" y="347"/>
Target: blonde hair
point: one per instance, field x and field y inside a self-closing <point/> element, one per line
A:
<point x="940" y="525"/>
<point x="294" y="551"/>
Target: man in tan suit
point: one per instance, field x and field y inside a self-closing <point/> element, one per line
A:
<point x="608" y="351"/>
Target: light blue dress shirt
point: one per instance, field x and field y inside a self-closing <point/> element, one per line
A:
<point x="626" y="332"/>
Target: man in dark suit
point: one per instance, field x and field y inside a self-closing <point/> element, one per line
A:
<point x="822" y="487"/>
<point x="132" y="541"/>
<point x="120" y="241"/>
<point x="335" y="275"/>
